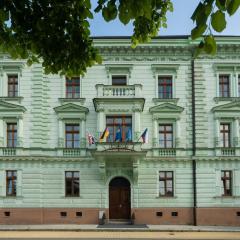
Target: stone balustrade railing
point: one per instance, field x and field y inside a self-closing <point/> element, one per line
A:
<point x="128" y="91"/>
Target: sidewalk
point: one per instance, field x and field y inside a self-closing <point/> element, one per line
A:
<point x="120" y="228"/>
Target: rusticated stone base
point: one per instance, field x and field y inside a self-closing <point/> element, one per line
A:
<point x="49" y="215"/>
<point x="164" y="216"/>
<point x="218" y="216"/>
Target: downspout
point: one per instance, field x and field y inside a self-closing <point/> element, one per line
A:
<point x="194" y="144"/>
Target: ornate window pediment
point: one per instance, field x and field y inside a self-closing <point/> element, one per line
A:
<point x="166" y="110"/>
<point x="229" y="110"/>
<point x="71" y="111"/>
<point x="11" y="110"/>
<point x="119" y="69"/>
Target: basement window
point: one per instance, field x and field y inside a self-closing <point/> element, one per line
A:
<point x="159" y="214"/>
<point x="238" y="214"/>
<point x="63" y="214"/>
<point x="7" y="214"/>
<point x="174" y="214"/>
<point x="78" y="214"/>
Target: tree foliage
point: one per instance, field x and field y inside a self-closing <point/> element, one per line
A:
<point x="56" y="32"/>
<point x="211" y="15"/>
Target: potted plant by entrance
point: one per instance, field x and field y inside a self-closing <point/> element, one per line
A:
<point x="102" y="219"/>
<point x="133" y="218"/>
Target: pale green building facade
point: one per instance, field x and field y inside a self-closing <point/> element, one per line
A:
<point x="187" y="173"/>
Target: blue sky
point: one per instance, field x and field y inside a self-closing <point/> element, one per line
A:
<point x="179" y="22"/>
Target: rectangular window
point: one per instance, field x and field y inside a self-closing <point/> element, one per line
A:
<point x="73" y="87"/>
<point x="224" y="85"/>
<point x="120" y="128"/>
<point x="12" y="85"/>
<point x="11" y="183"/>
<point x="119" y="80"/>
<point x="226" y="178"/>
<point x="165" y="87"/>
<point x="225" y="134"/>
<point x="72" y="136"/>
<point x="166" y="183"/>
<point x="72" y="184"/>
<point x="238" y="85"/>
<point x="11" y="134"/>
<point x="166" y="135"/>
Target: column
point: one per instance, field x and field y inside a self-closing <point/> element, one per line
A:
<point x="155" y="133"/>
<point x="178" y="133"/>
<point x="1" y="133"/>
<point x="137" y="125"/>
<point x="236" y="132"/>
<point x="83" y="133"/>
<point x="101" y="122"/>
<point x="20" y="133"/>
<point x="60" y="133"/>
<point x="217" y="133"/>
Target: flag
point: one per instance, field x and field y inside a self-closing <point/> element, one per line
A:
<point x="129" y="135"/>
<point x="104" y="134"/>
<point x="118" y="137"/>
<point x="91" y="139"/>
<point x="144" y="136"/>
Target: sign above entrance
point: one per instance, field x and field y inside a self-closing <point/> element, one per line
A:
<point x="119" y="146"/>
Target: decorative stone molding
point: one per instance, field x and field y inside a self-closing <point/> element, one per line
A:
<point x="164" y="69"/>
<point x="71" y="111"/>
<point x="166" y="111"/>
<point x="81" y="101"/>
<point x="109" y="105"/>
<point x="228" y="110"/>
<point x="119" y="69"/>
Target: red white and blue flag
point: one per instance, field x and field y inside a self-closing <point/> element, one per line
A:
<point x="144" y="136"/>
<point x="91" y="139"/>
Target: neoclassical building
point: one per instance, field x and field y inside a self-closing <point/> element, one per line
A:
<point x="188" y="172"/>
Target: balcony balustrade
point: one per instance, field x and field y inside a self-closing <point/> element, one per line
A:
<point x="228" y="152"/>
<point x="111" y="91"/>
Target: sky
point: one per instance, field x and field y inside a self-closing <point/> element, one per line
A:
<point x="179" y="22"/>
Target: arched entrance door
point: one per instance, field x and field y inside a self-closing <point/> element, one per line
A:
<point x="119" y="198"/>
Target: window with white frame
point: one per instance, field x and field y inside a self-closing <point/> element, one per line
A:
<point x="119" y="80"/>
<point x="73" y="87"/>
<point x="12" y="85"/>
<point x="165" y="87"/>
<point x="226" y="179"/>
<point x="166" y="184"/>
<point x="238" y="85"/>
<point x="11" y="183"/>
<point x="225" y="134"/>
<point x="72" y="135"/>
<point x="224" y="85"/>
<point x="166" y="135"/>
<point x="11" y="134"/>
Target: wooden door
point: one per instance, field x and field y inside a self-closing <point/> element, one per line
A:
<point x="119" y="201"/>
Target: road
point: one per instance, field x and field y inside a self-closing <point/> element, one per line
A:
<point x="99" y="235"/>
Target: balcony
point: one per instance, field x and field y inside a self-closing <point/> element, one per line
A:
<point x="110" y="91"/>
<point x="228" y="152"/>
<point x="8" y="151"/>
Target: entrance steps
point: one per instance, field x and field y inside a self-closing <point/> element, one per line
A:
<point x="119" y="221"/>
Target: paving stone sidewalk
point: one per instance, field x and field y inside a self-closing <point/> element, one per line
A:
<point x="122" y="228"/>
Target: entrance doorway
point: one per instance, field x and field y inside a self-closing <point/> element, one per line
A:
<point x="119" y="198"/>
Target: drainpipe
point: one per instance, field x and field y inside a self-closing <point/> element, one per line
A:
<point x="194" y="145"/>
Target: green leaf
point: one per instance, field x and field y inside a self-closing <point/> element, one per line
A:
<point x="210" y="46"/>
<point x="221" y="4"/>
<point x="233" y="6"/>
<point x="197" y="11"/>
<point x="198" y="31"/>
<point x="218" y="21"/>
